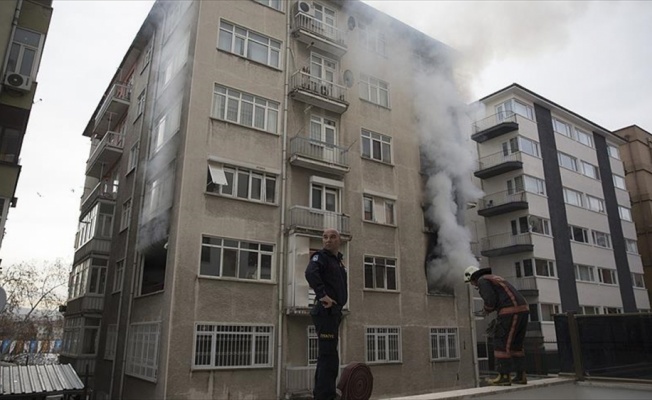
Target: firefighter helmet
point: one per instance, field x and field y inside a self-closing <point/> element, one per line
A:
<point x="468" y="272"/>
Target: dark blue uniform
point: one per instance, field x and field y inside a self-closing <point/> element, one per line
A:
<point x="326" y="275"/>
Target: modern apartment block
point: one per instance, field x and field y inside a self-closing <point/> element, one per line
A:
<point x="24" y="26"/>
<point x="558" y="217"/>
<point x="637" y="159"/>
<point x="231" y="135"/>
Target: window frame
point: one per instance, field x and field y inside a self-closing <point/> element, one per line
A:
<point x="573" y="230"/>
<point x="619" y="182"/>
<point x="597" y="235"/>
<point x="595" y="204"/>
<point x="233" y="249"/>
<point x="590" y="271"/>
<point x="383" y="210"/>
<point x="17" y="67"/>
<point x="587" y="166"/>
<point x="613" y="151"/>
<point x="567" y="161"/>
<point x="118" y="276"/>
<point x="269" y="3"/>
<point x="371" y="265"/>
<point x="580" y="197"/>
<point x="373" y="142"/>
<point x="249" y="38"/>
<point x="257" y="333"/>
<point x="234" y="174"/>
<point x="370" y="87"/>
<point x="223" y="96"/>
<point x="143" y="337"/>
<point x="384" y="334"/>
<point x="446" y="333"/>
<point x="613" y="276"/>
<point x="625" y="213"/>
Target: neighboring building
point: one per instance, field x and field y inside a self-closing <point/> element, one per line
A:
<point x="231" y="135"/>
<point x="637" y="158"/>
<point x="24" y="26"/>
<point x="557" y="212"/>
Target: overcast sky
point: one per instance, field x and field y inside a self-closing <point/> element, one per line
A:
<point x="593" y="58"/>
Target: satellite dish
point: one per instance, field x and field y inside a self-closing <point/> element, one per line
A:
<point x="3" y="299"/>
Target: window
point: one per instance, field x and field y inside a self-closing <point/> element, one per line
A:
<point x="323" y="130"/>
<point x="638" y="281"/>
<point x="71" y="336"/>
<point x="625" y="213"/>
<point x="613" y="310"/>
<point x="544" y="267"/>
<point x="631" y="246"/>
<point x="562" y="128"/>
<point x="526" y="270"/>
<point x="539" y="225"/>
<point x="613" y="151"/>
<point x="595" y="204"/>
<point x="98" y="222"/>
<point x="590" y="170"/>
<point x="158" y="194"/>
<point x="313" y="345"/>
<point x="241" y="183"/>
<point x="275" y="4"/>
<point x="520" y="225"/>
<point x="573" y="197"/>
<point x="140" y="107"/>
<point x="166" y="126"/>
<point x="374" y="90"/>
<point x="567" y="161"/>
<point x="376" y="146"/>
<point x="584" y="138"/>
<point x="379" y="273"/>
<point x="142" y="353"/>
<point x="125" y="217"/>
<point x="373" y="40"/>
<point x="383" y="344"/>
<point x="324" y="20"/>
<point x="254" y="46"/>
<point x="228" y="258"/>
<point x="607" y="276"/>
<point x="90" y="335"/>
<point x="173" y="60"/>
<point x="245" y="109"/>
<point x="548" y="310"/>
<point x="534" y="185"/>
<point x="584" y="273"/>
<point x="578" y="234"/>
<point x="10" y="144"/>
<point x="513" y="106"/>
<point x="379" y="210"/>
<point x="619" y="182"/>
<point x="443" y="344"/>
<point x="118" y="278"/>
<point x="147" y="58"/>
<point x="601" y="239"/>
<point x="233" y="346"/>
<point x="523" y="144"/>
<point x="133" y="158"/>
<point x="590" y="310"/>
<point x="324" y="198"/>
<point x="24" y="54"/>
<point x="88" y="277"/>
<point x="111" y="342"/>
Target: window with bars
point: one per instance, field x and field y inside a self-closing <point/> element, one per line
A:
<point x="379" y="273"/>
<point x="374" y="90"/>
<point x="443" y="344"/>
<point x="241" y="183"/>
<point x="111" y="342"/>
<point x="233" y="346"/>
<point x="142" y="350"/>
<point x="313" y="345"/>
<point x="376" y="146"/>
<point x="249" y="44"/>
<point x="383" y="345"/>
<point x="245" y="109"/>
<point x="236" y="259"/>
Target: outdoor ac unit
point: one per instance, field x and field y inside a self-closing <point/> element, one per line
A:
<point x="18" y="82"/>
<point x="304" y="7"/>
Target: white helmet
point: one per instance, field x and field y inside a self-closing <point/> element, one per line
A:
<point x="468" y="272"/>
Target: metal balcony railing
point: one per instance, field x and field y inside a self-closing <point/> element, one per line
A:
<point x="92" y="302"/>
<point x="493" y="120"/>
<point x="317" y="220"/>
<point x="318" y="150"/>
<point x="505" y="197"/>
<point x="119" y="91"/>
<point x="111" y="139"/>
<point x="103" y="190"/>
<point x="524" y="283"/>
<point x="302" y="80"/>
<point x="505" y="240"/>
<point x="497" y="159"/>
<point x="313" y="25"/>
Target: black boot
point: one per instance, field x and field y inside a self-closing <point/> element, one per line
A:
<point x="519" y="366"/>
<point x="503" y="378"/>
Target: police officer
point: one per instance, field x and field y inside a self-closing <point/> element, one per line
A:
<point x="511" y="322"/>
<point x="326" y="275"/>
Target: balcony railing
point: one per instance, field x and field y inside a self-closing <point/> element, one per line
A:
<point x="318" y="92"/>
<point x="525" y="283"/>
<point x="500" y="198"/>
<point x="317" y="220"/>
<point x="107" y="152"/>
<point x="310" y="30"/>
<point x="94" y="246"/>
<point x="103" y="190"/>
<point x="120" y="93"/>
<point x="498" y="163"/>
<point x="494" y="126"/>
<point x="92" y="302"/>
<point x="506" y="243"/>
<point x="319" y="155"/>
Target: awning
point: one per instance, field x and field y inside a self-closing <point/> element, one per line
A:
<point x="45" y="380"/>
<point x="217" y="174"/>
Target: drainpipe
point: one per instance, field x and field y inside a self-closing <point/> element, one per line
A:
<point x="283" y="244"/>
<point x="14" y="23"/>
<point x="474" y="342"/>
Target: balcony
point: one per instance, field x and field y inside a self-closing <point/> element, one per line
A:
<point x="96" y="245"/>
<point x="506" y="243"/>
<point x="527" y="285"/>
<point x="107" y="153"/>
<point x="313" y="32"/>
<point x="497" y="164"/>
<point x="115" y="105"/>
<point x="88" y="303"/>
<point x="102" y="191"/>
<point x="318" y="92"/>
<point x="502" y="203"/>
<point x="494" y="126"/>
<point x="319" y="156"/>
<point x="311" y="221"/>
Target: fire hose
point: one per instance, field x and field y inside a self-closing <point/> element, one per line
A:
<point x="356" y="382"/>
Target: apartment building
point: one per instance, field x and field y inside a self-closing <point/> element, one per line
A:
<point x="558" y="217"/>
<point x="637" y="160"/>
<point x="231" y="135"/>
<point x="24" y="26"/>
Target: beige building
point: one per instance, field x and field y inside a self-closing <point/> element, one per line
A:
<point x="637" y="159"/>
<point x="24" y="26"/>
<point x="231" y="135"/>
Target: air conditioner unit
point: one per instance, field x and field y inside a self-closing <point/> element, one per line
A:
<point x="304" y="7"/>
<point x="18" y="82"/>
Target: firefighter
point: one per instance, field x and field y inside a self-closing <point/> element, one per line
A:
<point x="326" y="275"/>
<point x="511" y="323"/>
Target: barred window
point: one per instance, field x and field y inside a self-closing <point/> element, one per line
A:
<point x="245" y="109"/>
<point x="313" y="345"/>
<point x="236" y="259"/>
<point x="443" y="344"/>
<point x="142" y="351"/>
<point x="383" y="344"/>
<point x="374" y="90"/>
<point x="241" y="183"/>
<point x="233" y="346"/>
<point x="376" y="146"/>
<point x="254" y="46"/>
<point x="379" y="273"/>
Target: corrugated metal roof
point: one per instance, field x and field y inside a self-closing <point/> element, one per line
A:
<point x="43" y="379"/>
